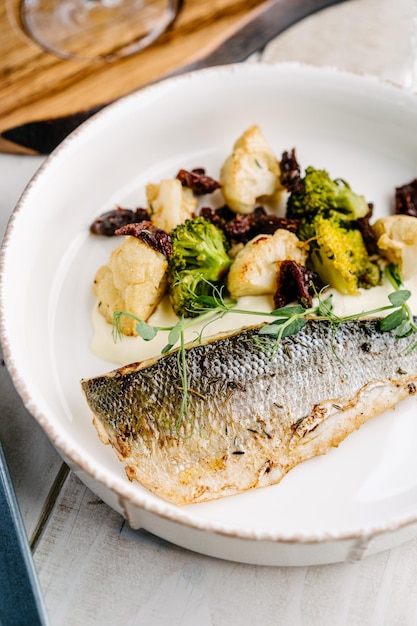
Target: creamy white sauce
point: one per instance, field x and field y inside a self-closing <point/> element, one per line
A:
<point x="373" y="298"/>
<point x="131" y="349"/>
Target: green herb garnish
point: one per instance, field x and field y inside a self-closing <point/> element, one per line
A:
<point x="287" y="321"/>
<point x="402" y="317"/>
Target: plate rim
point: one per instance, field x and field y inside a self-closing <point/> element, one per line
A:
<point x="160" y="507"/>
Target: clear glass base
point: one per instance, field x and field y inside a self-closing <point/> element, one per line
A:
<point x="96" y="29"/>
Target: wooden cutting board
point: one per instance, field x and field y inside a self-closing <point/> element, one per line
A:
<point x="38" y="86"/>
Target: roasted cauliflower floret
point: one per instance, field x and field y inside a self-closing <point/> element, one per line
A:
<point x="134" y="280"/>
<point x="251" y="173"/>
<point x="170" y="203"/>
<point x="397" y="242"/>
<point x="254" y="269"/>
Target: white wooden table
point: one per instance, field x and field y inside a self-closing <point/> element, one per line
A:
<point x="93" y="569"/>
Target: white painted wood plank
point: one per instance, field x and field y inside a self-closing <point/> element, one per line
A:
<point x="374" y="37"/>
<point x="94" y="570"/>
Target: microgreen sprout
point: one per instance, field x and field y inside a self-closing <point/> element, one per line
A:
<point x="212" y="308"/>
<point x="287" y="321"/>
<point x="401" y="318"/>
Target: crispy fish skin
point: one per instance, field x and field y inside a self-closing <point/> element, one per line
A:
<point x="256" y="408"/>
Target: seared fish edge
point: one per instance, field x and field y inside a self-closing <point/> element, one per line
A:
<point x="256" y="409"/>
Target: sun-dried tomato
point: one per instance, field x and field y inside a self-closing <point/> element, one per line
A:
<point x="107" y="223"/>
<point x="294" y="284"/>
<point x="243" y="228"/>
<point x="368" y="233"/>
<point x="198" y="181"/>
<point x="290" y="172"/>
<point x="406" y="199"/>
<point x="154" y="237"/>
<point x="219" y="217"/>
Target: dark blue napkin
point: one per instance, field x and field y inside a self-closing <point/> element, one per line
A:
<point x="21" y="600"/>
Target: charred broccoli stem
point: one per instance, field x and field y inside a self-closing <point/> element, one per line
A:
<point x="198" y="263"/>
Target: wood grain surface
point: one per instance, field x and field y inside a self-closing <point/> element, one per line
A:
<point x="37" y="86"/>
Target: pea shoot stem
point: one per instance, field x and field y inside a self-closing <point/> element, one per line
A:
<point x="288" y="320"/>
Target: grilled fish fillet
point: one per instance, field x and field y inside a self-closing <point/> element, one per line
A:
<point x="255" y="407"/>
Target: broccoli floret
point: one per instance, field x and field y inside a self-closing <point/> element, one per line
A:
<point x="306" y="229"/>
<point x="340" y="258"/>
<point x="318" y="193"/>
<point x="198" y="263"/>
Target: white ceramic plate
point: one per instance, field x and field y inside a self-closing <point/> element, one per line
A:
<point x="356" y="500"/>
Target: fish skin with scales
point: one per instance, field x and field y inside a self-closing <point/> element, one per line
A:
<point x="256" y="407"/>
